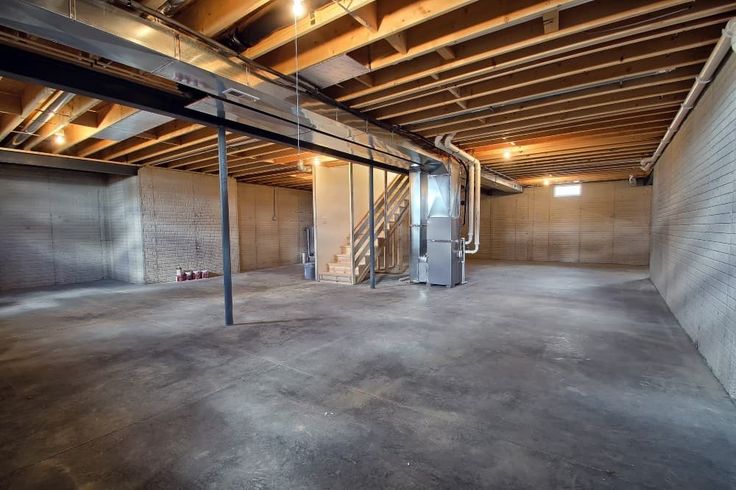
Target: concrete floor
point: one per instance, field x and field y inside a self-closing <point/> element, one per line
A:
<point x="531" y="376"/>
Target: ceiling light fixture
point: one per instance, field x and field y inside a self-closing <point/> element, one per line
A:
<point x="298" y="8"/>
<point x="60" y="138"/>
<point x="545" y="181"/>
<point x="507" y="154"/>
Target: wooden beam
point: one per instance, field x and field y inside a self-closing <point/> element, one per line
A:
<point x="31" y="98"/>
<point x="519" y="45"/>
<point x="366" y="16"/>
<point x="507" y="65"/>
<point x="78" y="106"/>
<point x="161" y="134"/>
<point x="343" y="37"/>
<point x="569" y="71"/>
<point x="92" y="145"/>
<point x="318" y="19"/>
<point x="446" y="52"/>
<point x="398" y="42"/>
<point x="366" y="79"/>
<point x="555" y="143"/>
<point x="10" y="104"/>
<point x="551" y="21"/>
<point x="619" y="124"/>
<point x="474" y="21"/>
<point x="211" y="17"/>
<point x="569" y="117"/>
<point x="594" y="97"/>
<point x="536" y="84"/>
<point x="76" y="134"/>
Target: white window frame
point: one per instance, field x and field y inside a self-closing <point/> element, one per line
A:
<point x="567" y="190"/>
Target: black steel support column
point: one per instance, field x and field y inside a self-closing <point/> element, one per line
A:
<point x="227" y="278"/>
<point x="372" y="226"/>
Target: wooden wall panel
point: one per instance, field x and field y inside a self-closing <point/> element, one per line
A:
<point x="523" y="224"/>
<point x="596" y="223"/>
<point x="271" y="224"/>
<point x="540" y="222"/>
<point x="564" y="229"/>
<point x="607" y="223"/>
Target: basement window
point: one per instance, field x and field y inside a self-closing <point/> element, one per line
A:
<point x="568" y="190"/>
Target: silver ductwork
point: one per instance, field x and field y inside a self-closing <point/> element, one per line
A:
<point x="437" y="256"/>
<point x="170" y="7"/>
<point x="60" y="99"/>
<point x="233" y="90"/>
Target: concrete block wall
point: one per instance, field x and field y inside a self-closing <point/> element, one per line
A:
<point x="61" y="227"/>
<point x="271" y="225"/>
<point x="123" y="229"/>
<point x="180" y="216"/>
<point x="51" y="227"/>
<point x="608" y="223"/>
<point x="693" y="261"/>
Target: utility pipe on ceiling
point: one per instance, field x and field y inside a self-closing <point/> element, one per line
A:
<point x="60" y="100"/>
<point x="171" y="7"/>
<point x="727" y="40"/>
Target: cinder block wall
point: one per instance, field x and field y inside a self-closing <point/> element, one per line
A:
<point x="51" y="227"/>
<point x="608" y="223"/>
<point x="123" y="229"/>
<point x="694" y="225"/>
<point x="180" y="215"/>
<point x="62" y="227"/>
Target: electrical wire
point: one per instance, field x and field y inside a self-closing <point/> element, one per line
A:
<point x="296" y="90"/>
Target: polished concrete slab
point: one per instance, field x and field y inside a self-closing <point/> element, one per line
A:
<point x="530" y="376"/>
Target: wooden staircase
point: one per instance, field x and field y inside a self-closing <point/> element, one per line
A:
<point x="351" y="265"/>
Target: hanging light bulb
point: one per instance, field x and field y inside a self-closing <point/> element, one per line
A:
<point x="507" y="154"/>
<point x="60" y="138"/>
<point x="298" y="8"/>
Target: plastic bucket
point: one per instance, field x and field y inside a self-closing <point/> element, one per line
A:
<point x="309" y="271"/>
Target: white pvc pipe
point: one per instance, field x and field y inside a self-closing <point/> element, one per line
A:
<point x="444" y="143"/>
<point x="727" y="41"/>
<point x="474" y="226"/>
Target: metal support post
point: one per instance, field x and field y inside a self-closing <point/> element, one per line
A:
<point x="372" y="226"/>
<point x="227" y="278"/>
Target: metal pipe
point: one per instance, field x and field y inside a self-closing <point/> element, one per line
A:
<point x="372" y="227"/>
<point x="227" y="278"/>
<point x="728" y="36"/>
<point x="60" y="100"/>
<point x="171" y="7"/>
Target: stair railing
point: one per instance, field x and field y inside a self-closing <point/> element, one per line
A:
<point x="385" y="206"/>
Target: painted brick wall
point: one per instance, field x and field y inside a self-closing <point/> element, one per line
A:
<point x="180" y="214"/>
<point x="51" y="227"/>
<point x="608" y="223"/>
<point x="271" y="224"/>
<point x="693" y="260"/>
